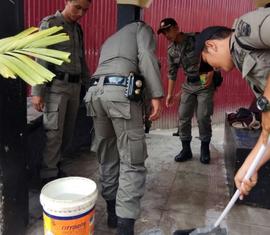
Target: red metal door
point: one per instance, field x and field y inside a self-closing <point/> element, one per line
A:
<point x="192" y="16"/>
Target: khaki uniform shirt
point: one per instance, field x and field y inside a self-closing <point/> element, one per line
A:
<point x="182" y="55"/>
<point x="132" y="49"/>
<point x="75" y="46"/>
<point x="250" y="48"/>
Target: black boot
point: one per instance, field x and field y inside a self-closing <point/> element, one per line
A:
<point x="112" y="217"/>
<point x="205" y="153"/>
<point x="176" y="133"/>
<point x="183" y="232"/>
<point x="185" y="153"/>
<point x="125" y="226"/>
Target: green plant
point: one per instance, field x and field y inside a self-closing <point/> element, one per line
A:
<point x="18" y="53"/>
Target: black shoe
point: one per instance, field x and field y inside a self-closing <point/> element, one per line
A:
<point x="125" y="226"/>
<point x="112" y="217"/>
<point x="205" y="153"/>
<point x="185" y="153"/>
<point x="146" y="130"/>
<point x="176" y="133"/>
<point x="183" y="232"/>
<point x="183" y="156"/>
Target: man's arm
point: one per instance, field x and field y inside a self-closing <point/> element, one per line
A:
<point x="172" y="75"/>
<point x="85" y="70"/>
<point x="246" y="185"/>
<point x="266" y="115"/>
<point x="156" y="109"/>
<point x="38" y="91"/>
<point x="148" y="62"/>
<point x="148" y="65"/>
<point x="170" y="96"/>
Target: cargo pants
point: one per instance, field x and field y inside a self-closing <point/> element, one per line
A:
<point x="62" y="101"/>
<point x="120" y="146"/>
<point x="196" y="98"/>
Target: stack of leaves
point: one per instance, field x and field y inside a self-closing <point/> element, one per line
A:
<point x="17" y="54"/>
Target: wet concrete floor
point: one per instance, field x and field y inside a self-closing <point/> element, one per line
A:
<point x="178" y="195"/>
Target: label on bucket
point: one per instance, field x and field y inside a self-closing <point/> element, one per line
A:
<point x="76" y="225"/>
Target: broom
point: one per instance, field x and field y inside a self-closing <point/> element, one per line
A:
<point x="215" y="229"/>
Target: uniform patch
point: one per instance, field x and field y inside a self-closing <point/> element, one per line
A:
<point x="240" y="56"/>
<point x="243" y="29"/>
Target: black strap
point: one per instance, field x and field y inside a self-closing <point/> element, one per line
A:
<point x="244" y="46"/>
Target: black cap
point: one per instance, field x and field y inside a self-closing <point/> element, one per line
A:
<point x="205" y="35"/>
<point x="166" y="24"/>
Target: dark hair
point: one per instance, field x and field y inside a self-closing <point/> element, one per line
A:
<point x="210" y="33"/>
<point x="267" y="5"/>
<point x="222" y="33"/>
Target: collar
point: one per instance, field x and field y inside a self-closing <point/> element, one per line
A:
<point x="62" y="20"/>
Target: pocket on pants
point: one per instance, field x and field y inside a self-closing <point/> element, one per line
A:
<point x="185" y="98"/>
<point x="90" y="110"/>
<point x="88" y="104"/>
<point x="119" y="109"/>
<point x="136" y="146"/>
<point x="51" y="116"/>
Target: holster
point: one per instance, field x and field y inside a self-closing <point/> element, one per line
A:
<point x="135" y="86"/>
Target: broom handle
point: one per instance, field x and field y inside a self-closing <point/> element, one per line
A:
<point x="249" y="173"/>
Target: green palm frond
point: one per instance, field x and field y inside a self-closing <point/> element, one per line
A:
<point x="17" y="54"/>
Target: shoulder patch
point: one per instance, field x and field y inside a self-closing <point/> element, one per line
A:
<point x="48" y="18"/>
<point x="243" y="29"/>
<point x="45" y="23"/>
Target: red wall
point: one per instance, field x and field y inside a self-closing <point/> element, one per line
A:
<point x="98" y="23"/>
<point x="191" y="15"/>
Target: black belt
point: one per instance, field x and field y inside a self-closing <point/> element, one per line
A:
<point x="113" y="80"/>
<point x="72" y="78"/>
<point x="193" y="79"/>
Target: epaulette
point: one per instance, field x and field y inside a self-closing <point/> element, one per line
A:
<point x="46" y="20"/>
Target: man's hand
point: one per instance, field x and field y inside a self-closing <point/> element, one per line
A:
<point x="169" y="101"/>
<point x="177" y="98"/>
<point x="209" y="79"/>
<point x="156" y="109"/>
<point x="38" y="103"/>
<point x="245" y="185"/>
<point x="265" y="126"/>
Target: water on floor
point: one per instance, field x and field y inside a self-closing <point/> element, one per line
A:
<point x="178" y="195"/>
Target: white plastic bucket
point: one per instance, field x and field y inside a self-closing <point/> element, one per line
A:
<point x="69" y="206"/>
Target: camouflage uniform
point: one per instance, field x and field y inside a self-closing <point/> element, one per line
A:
<point x="249" y="46"/>
<point x="61" y="96"/>
<point x="194" y="95"/>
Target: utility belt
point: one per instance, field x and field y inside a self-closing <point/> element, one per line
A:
<point x="72" y="78"/>
<point x="113" y="80"/>
<point x="193" y="79"/>
<point x="134" y="84"/>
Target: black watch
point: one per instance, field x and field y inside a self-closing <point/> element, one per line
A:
<point x="263" y="104"/>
